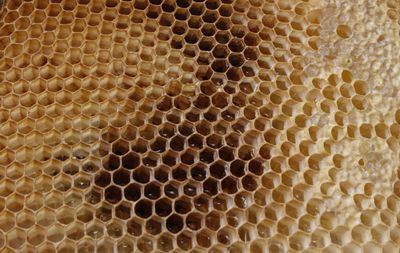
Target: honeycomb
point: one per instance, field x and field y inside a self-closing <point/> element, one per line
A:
<point x="221" y="126"/>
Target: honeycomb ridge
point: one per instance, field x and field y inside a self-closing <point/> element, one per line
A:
<point x="220" y="126"/>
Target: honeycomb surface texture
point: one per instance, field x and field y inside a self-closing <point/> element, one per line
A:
<point x="221" y="126"/>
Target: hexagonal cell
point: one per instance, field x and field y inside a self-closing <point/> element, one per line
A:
<point x="95" y="229"/>
<point x="82" y="181"/>
<point x="214" y="221"/>
<point x="93" y="196"/>
<point x="66" y="246"/>
<point x="47" y="217"/>
<point x="204" y="238"/>
<point x="120" y="147"/>
<point x="229" y="185"/>
<point x="202" y="203"/>
<point x="222" y="202"/>
<point x="210" y="187"/>
<point x="113" y="194"/>
<point x="170" y="158"/>
<point x="180" y="173"/>
<point x="207" y="155"/>
<point x="247" y="232"/>
<point x="153" y="226"/>
<point x="36" y="235"/>
<point x="152" y="190"/>
<point x="7" y="221"/>
<point x="91" y="166"/>
<point x="145" y="244"/>
<point x="66" y="215"/>
<point x="16" y="238"/>
<point x="183" y="205"/>
<point x="132" y="192"/>
<point x="15" y="202"/>
<point x="25" y="219"/>
<point x="141" y="175"/>
<point x="191" y="188"/>
<point x="249" y="183"/>
<point x="266" y="228"/>
<point x="125" y="245"/>
<point x="115" y="229"/>
<point x="151" y="160"/>
<point x="81" y="151"/>
<point x="14" y="172"/>
<point x="174" y="223"/>
<point x="62" y="183"/>
<point x="55" y="233"/>
<point x="71" y="168"/>
<point x="102" y="179"/>
<point x="163" y="207"/>
<point x="130" y="161"/>
<point x="86" y="245"/>
<point x="177" y="143"/>
<point x="161" y="174"/>
<point x="144" y="208"/>
<point x="165" y="242"/>
<point x="226" y="154"/>
<point x="29" y="248"/>
<point x="104" y="212"/>
<point x="111" y="162"/>
<point x="7" y="156"/>
<point x="123" y="210"/>
<point x="75" y="231"/>
<point x="226" y="235"/>
<point x="85" y="214"/>
<point x="243" y="199"/>
<point x="6" y="187"/>
<point x="46" y="247"/>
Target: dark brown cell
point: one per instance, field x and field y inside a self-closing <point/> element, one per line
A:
<point x="132" y="192"/>
<point x="130" y="161"/>
<point x="103" y="179"/>
<point x="121" y="177"/>
<point x="144" y="208"/>
<point x="163" y="207"/>
<point x="229" y="185"/>
<point x="112" y="194"/>
<point x="218" y="169"/>
<point x="171" y="190"/>
<point x="210" y="187"/>
<point x="141" y="175"/>
<point x="152" y="191"/>
<point x="174" y="223"/>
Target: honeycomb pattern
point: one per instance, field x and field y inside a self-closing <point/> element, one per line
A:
<point x="219" y="126"/>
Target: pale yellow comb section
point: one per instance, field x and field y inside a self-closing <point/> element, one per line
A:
<point x="219" y="126"/>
